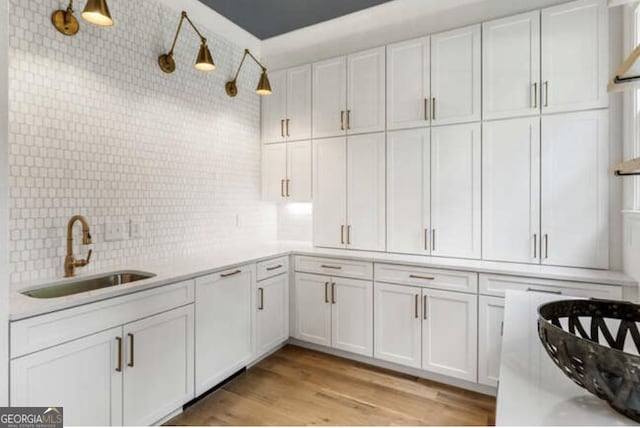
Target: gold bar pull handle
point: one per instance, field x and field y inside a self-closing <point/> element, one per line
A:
<point x="433" y="239"/>
<point x="546" y="246"/>
<point x="427" y="278"/>
<point x="348" y="119"/>
<point x="349" y="235"/>
<point x="225" y="275"/>
<point x="131" y="349"/>
<point x="119" y="364"/>
<point x="342" y="234"/>
<point x="333" y="293"/>
<point x="426" y="239"/>
<point x="433" y="108"/>
<point x="287" y="187"/>
<point x="282" y="128"/>
<point x="342" y="120"/>
<point x="274" y="267"/>
<point x="288" y="120"/>
<point x="534" y="95"/>
<point x="424" y="308"/>
<point x="261" y="290"/>
<point x="538" y="290"/>
<point x="415" y="310"/>
<point x="426" y="109"/>
<point x="546" y="93"/>
<point x="326" y="292"/>
<point x="330" y="267"/>
<point x="282" y="188"/>
<point x="535" y="245"/>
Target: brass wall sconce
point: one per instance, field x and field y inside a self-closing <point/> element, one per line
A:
<point x="204" y="61"/>
<point x="95" y="12"/>
<point x="264" y="87"/>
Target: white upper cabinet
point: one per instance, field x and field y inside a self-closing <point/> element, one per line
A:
<point x="575" y="201"/>
<point x="329" y="192"/>
<point x="286" y="113"/>
<point x="274" y="108"/>
<point x="274" y="171"/>
<point x="511" y="190"/>
<point x="298" y="185"/>
<point x="408" y="84"/>
<point x="366" y="192"/>
<point x="408" y="191"/>
<point x="511" y="66"/>
<point x="456" y="191"/>
<point x="455" y="76"/>
<point x="329" y="97"/>
<point x="366" y="91"/>
<point x="298" y="119"/>
<point x="575" y="56"/>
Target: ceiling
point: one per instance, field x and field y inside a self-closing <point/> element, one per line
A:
<point x="269" y="18"/>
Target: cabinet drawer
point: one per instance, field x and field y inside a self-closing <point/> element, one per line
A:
<point x="273" y="267"/>
<point x="443" y="279"/>
<point x="32" y="334"/>
<point x="335" y="267"/>
<point x="495" y="285"/>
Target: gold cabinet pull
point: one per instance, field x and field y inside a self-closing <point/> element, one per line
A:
<point x="342" y="234"/>
<point x="433" y="239"/>
<point x="546" y="93"/>
<point x="333" y="293"/>
<point x="415" y="310"/>
<point x="534" y="95"/>
<point x="282" y="188"/>
<point x="326" y="292"/>
<point x="261" y="290"/>
<point x="535" y="245"/>
<point x="546" y="246"/>
<point x="426" y="239"/>
<point x="426" y="109"/>
<point x="119" y="365"/>
<point x="348" y="119"/>
<point x="287" y="187"/>
<point x="330" y="267"/>
<point x="282" y="128"/>
<point x="433" y="108"/>
<point x="131" y="349"/>
<point x="225" y="275"/>
<point x="349" y="235"/>
<point x="501" y="328"/>
<point x="537" y="290"/>
<point x="428" y="278"/>
<point x="342" y="120"/>
<point x="424" y="308"/>
<point x="274" y="267"/>
<point x="287" y="124"/>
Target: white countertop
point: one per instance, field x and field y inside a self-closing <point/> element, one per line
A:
<point x="181" y="268"/>
<point x="533" y="390"/>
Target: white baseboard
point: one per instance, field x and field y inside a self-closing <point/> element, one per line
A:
<point x="169" y="417"/>
<point x="471" y="386"/>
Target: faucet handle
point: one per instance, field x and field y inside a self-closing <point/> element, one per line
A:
<point x="89" y="256"/>
<point x="80" y="263"/>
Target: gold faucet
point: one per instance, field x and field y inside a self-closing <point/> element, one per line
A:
<point x="70" y="262"/>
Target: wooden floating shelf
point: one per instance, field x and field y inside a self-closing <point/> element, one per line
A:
<point x="621" y="80"/>
<point x="630" y="167"/>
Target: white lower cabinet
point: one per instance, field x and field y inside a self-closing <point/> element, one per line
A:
<point x="490" y="325"/>
<point x="159" y="369"/>
<point x="80" y="376"/>
<point x="425" y="328"/>
<point x="131" y="375"/>
<point x="224" y="325"/>
<point x="335" y="312"/>
<point x="272" y="313"/>
<point x="398" y="324"/>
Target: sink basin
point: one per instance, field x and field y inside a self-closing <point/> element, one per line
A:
<point x="74" y="286"/>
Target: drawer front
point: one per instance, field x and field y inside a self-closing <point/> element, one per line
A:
<point x="334" y="267"/>
<point x="466" y="282"/>
<point x="495" y="285"/>
<point x="273" y="267"/>
<point x="33" y="334"/>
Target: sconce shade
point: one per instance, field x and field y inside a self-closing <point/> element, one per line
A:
<point x="204" y="62"/>
<point x="97" y="12"/>
<point x="264" y="87"/>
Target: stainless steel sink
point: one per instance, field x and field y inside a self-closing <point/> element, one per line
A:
<point x="74" y="286"/>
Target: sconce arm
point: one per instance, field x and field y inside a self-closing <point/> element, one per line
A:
<point x="247" y="52"/>
<point x="175" y="38"/>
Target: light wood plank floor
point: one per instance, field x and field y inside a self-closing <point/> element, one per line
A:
<point x="296" y="386"/>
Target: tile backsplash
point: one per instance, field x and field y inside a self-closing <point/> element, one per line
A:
<point x="96" y="128"/>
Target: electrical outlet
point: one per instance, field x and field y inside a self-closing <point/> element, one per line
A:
<point x="115" y="232"/>
<point x="136" y="228"/>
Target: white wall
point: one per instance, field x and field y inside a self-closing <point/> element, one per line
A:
<point x="96" y="128"/>
<point x="4" y="257"/>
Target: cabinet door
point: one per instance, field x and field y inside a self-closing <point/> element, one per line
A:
<point x="159" y="369"/>
<point x="313" y="308"/>
<point x="272" y="323"/>
<point x="449" y="333"/>
<point x="274" y="171"/>
<point x="455" y="191"/>
<point x="366" y="91"/>
<point x="408" y="191"/>
<point x="224" y="321"/>
<point x="329" y="98"/>
<point x="329" y="192"/>
<point x="274" y="108"/>
<point x="80" y="376"/>
<point x="352" y="315"/>
<point x="575" y="56"/>
<point x="490" y="318"/>
<point x="397" y="324"/>
<point x="511" y="190"/>
<point x="299" y="171"/>
<point x="408" y="84"/>
<point x="511" y="66"/>
<point x="366" y="192"/>
<point x="455" y="76"/>
<point x="575" y="199"/>
<point x="299" y="103"/>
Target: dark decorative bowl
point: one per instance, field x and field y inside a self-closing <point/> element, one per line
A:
<point x="590" y="354"/>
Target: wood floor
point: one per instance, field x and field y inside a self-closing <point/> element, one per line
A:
<point x="296" y="386"/>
